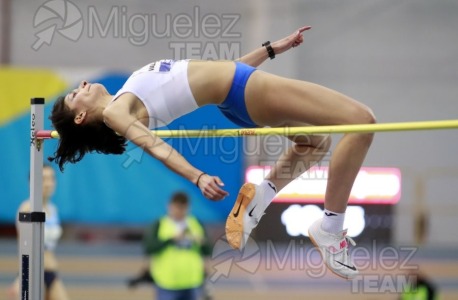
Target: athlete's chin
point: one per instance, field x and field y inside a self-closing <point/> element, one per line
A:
<point x="97" y="89"/>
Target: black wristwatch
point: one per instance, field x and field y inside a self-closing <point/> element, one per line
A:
<point x="269" y="49"/>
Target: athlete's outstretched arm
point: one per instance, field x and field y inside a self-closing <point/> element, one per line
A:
<point x="133" y="130"/>
<point x="258" y="56"/>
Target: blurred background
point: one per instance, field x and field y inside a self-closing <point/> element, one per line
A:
<point x="398" y="57"/>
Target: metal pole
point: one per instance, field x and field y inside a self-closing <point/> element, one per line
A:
<point x="31" y="223"/>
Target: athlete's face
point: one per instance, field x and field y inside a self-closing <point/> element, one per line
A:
<point x="85" y="97"/>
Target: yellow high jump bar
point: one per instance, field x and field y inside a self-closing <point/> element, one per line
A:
<point x="291" y="131"/>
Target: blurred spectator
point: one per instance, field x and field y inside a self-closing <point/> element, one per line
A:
<point x="177" y="245"/>
<point x="421" y="289"/>
<point x="54" y="288"/>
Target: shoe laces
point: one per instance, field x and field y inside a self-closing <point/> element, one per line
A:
<point x="352" y="242"/>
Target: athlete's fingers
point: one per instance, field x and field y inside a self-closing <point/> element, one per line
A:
<point x="304" y="28"/>
<point x="295" y="44"/>
<point x="212" y="191"/>
<point x="208" y="193"/>
<point x="216" y="184"/>
<point x="219" y="193"/>
<point x="214" y="197"/>
<point x="218" y="181"/>
<point x="299" y="38"/>
<point x="208" y="196"/>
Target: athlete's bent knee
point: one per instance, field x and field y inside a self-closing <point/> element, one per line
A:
<point x="365" y="115"/>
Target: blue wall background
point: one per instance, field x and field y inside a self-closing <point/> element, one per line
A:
<point x="108" y="189"/>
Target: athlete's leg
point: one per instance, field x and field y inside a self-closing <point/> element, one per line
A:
<point x="274" y="101"/>
<point x="252" y="200"/>
<point x="306" y="151"/>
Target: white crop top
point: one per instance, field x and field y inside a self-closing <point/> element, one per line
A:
<point x="163" y="88"/>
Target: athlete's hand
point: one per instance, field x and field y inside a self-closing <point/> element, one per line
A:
<point x="291" y="41"/>
<point x="210" y="186"/>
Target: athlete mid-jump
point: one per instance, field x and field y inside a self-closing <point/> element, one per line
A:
<point x="88" y="118"/>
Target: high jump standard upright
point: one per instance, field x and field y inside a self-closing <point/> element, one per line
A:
<point x="31" y="224"/>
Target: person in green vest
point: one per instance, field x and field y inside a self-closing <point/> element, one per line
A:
<point x="421" y="289"/>
<point x="177" y="245"/>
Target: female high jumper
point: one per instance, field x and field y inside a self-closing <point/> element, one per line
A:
<point x="90" y="119"/>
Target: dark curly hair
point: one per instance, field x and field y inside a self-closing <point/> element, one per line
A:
<point x="77" y="140"/>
